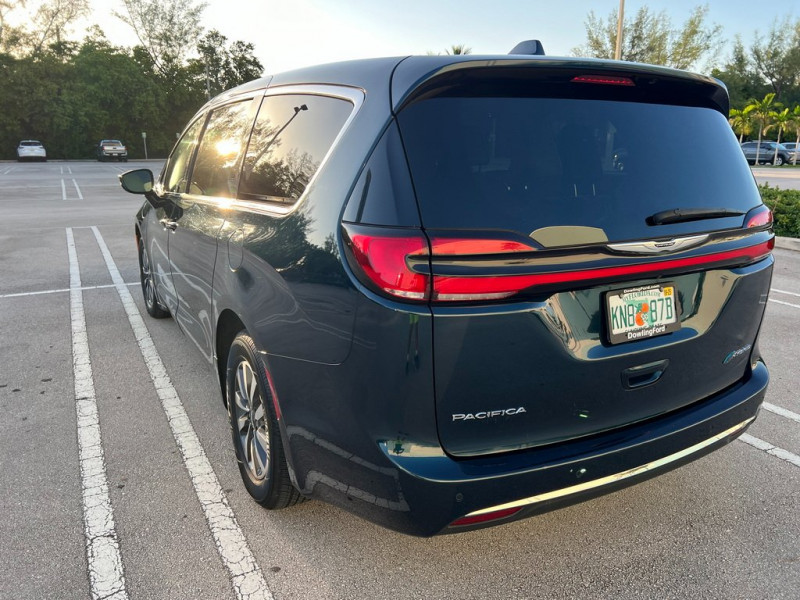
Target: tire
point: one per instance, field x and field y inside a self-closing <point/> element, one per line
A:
<point x="255" y="431"/>
<point x="151" y="302"/>
<point x="778" y="161"/>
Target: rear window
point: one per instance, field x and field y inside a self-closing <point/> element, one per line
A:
<point x="30" y="143"/>
<point x="571" y="171"/>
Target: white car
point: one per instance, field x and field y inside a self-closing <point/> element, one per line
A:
<point x="31" y="150"/>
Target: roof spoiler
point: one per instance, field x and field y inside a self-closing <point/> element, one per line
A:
<point x="528" y="47"/>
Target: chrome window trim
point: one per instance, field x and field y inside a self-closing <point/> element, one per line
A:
<point x="353" y="95"/>
<point x="621" y="476"/>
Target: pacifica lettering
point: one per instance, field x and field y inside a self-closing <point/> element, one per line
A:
<point x="489" y="414"/>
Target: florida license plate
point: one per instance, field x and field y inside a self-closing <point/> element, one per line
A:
<point x="642" y="312"/>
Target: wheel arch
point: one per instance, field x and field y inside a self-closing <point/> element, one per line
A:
<point x="228" y="326"/>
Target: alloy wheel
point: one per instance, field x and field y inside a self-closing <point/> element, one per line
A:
<point x="252" y="427"/>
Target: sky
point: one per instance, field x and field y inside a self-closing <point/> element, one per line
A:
<point x="288" y="34"/>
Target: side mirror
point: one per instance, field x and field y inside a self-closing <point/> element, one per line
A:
<point x="139" y="181"/>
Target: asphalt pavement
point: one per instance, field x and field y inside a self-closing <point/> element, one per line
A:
<point x="91" y="394"/>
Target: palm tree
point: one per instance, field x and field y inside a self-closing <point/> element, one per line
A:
<point x="458" y="49"/>
<point x="780" y="121"/>
<point x="794" y="125"/>
<point x="760" y="109"/>
<point x="740" y="123"/>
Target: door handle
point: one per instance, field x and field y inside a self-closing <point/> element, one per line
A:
<point x="169" y="224"/>
<point x="643" y="375"/>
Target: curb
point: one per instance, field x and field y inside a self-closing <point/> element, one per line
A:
<point x="787" y="243"/>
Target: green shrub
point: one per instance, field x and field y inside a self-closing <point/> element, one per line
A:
<point x="785" y="206"/>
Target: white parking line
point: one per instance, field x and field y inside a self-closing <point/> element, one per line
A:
<point x="84" y="288"/>
<point x="784" y="303"/>
<point x="69" y="169"/>
<point x="770" y="449"/>
<point x="63" y="190"/>
<point x="77" y="189"/>
<point x="785" y="292"/>
<point x="246" y="577"/>
<point x="781" y="411"/>
<point x="106" y="577"/>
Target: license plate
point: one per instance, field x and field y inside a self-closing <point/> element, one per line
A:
<point x="642" y="312"/>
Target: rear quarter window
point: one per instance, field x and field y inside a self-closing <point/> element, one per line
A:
<point x="291" y="137"/>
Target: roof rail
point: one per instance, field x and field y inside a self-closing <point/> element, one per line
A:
<point x="528" y="47"/>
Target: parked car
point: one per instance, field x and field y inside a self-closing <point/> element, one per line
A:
<point x="437" y="293"/>
<point x="31" y="150"/>
<point x="111" y="150"/>
<point x="794" y="150"/>
<point x="766" y="153"/>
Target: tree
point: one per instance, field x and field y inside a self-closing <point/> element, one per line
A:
<point x="777" y="57"/>
<point x="458" y="49"/>
<point x="780" y="121"/>
<point x="649" y="37"/>
<point x="53" y="18"/>
<point x="740" y="77"/>
<point x="6" y="6"/>
<point x="760" y="111"/>
<point x="794" y="125"/>
<point x="740" y="123"/>
<point x="222" y="66"/>
<point x="165" y="28"/>
<point x="455" y="49"/>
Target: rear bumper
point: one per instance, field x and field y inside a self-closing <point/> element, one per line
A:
<point x="437" y="489"/>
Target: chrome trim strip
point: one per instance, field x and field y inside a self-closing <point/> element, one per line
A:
<point x="588" y="485"/>
<point x="659" y="246"/>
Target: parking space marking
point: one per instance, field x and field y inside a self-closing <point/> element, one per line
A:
<point x="246" y="576"/>
<point x="785" y="292"/>
<point x="781" y="411"/>
<point x="7" y="171"/>
<point x="106" y="577"/>
<point x="43" y="292"/>
<point x="755" y="442"/>
<point x="784" y="303"/>
<point x="63" y="190"/>
<point x="77" y="189"/>
<point x="69" y="170"/>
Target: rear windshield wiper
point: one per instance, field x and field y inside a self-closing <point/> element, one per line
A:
<point x="681" y="215"/>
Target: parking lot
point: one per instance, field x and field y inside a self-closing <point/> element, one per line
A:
<point x="113" y="437"/>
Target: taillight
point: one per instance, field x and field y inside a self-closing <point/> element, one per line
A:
<point x="406" y="264"/>
<point x="761" y="216"/>
<point x="604" y="80"/>
<point x="397" y="261"/>
<point x="383" y="259"/>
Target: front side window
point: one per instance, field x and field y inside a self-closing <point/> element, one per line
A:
<point x="215" y="170"/>
<point x="175" y="172"/>
<point x="291" y="137"/>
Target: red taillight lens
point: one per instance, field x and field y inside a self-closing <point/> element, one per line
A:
<point x="485" y="517"/>
<point x="400" y="262"/>
<point x="383" y="259"/>
<point x="604" y="80"/>
<point x="464" y="247"/>
<point x="758" y="217"/>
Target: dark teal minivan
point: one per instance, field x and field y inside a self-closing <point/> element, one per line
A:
<point x="446" y="292"/>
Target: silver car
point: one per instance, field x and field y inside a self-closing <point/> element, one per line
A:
<point x="765" y="153"/>
<point x="31" y="150"/>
